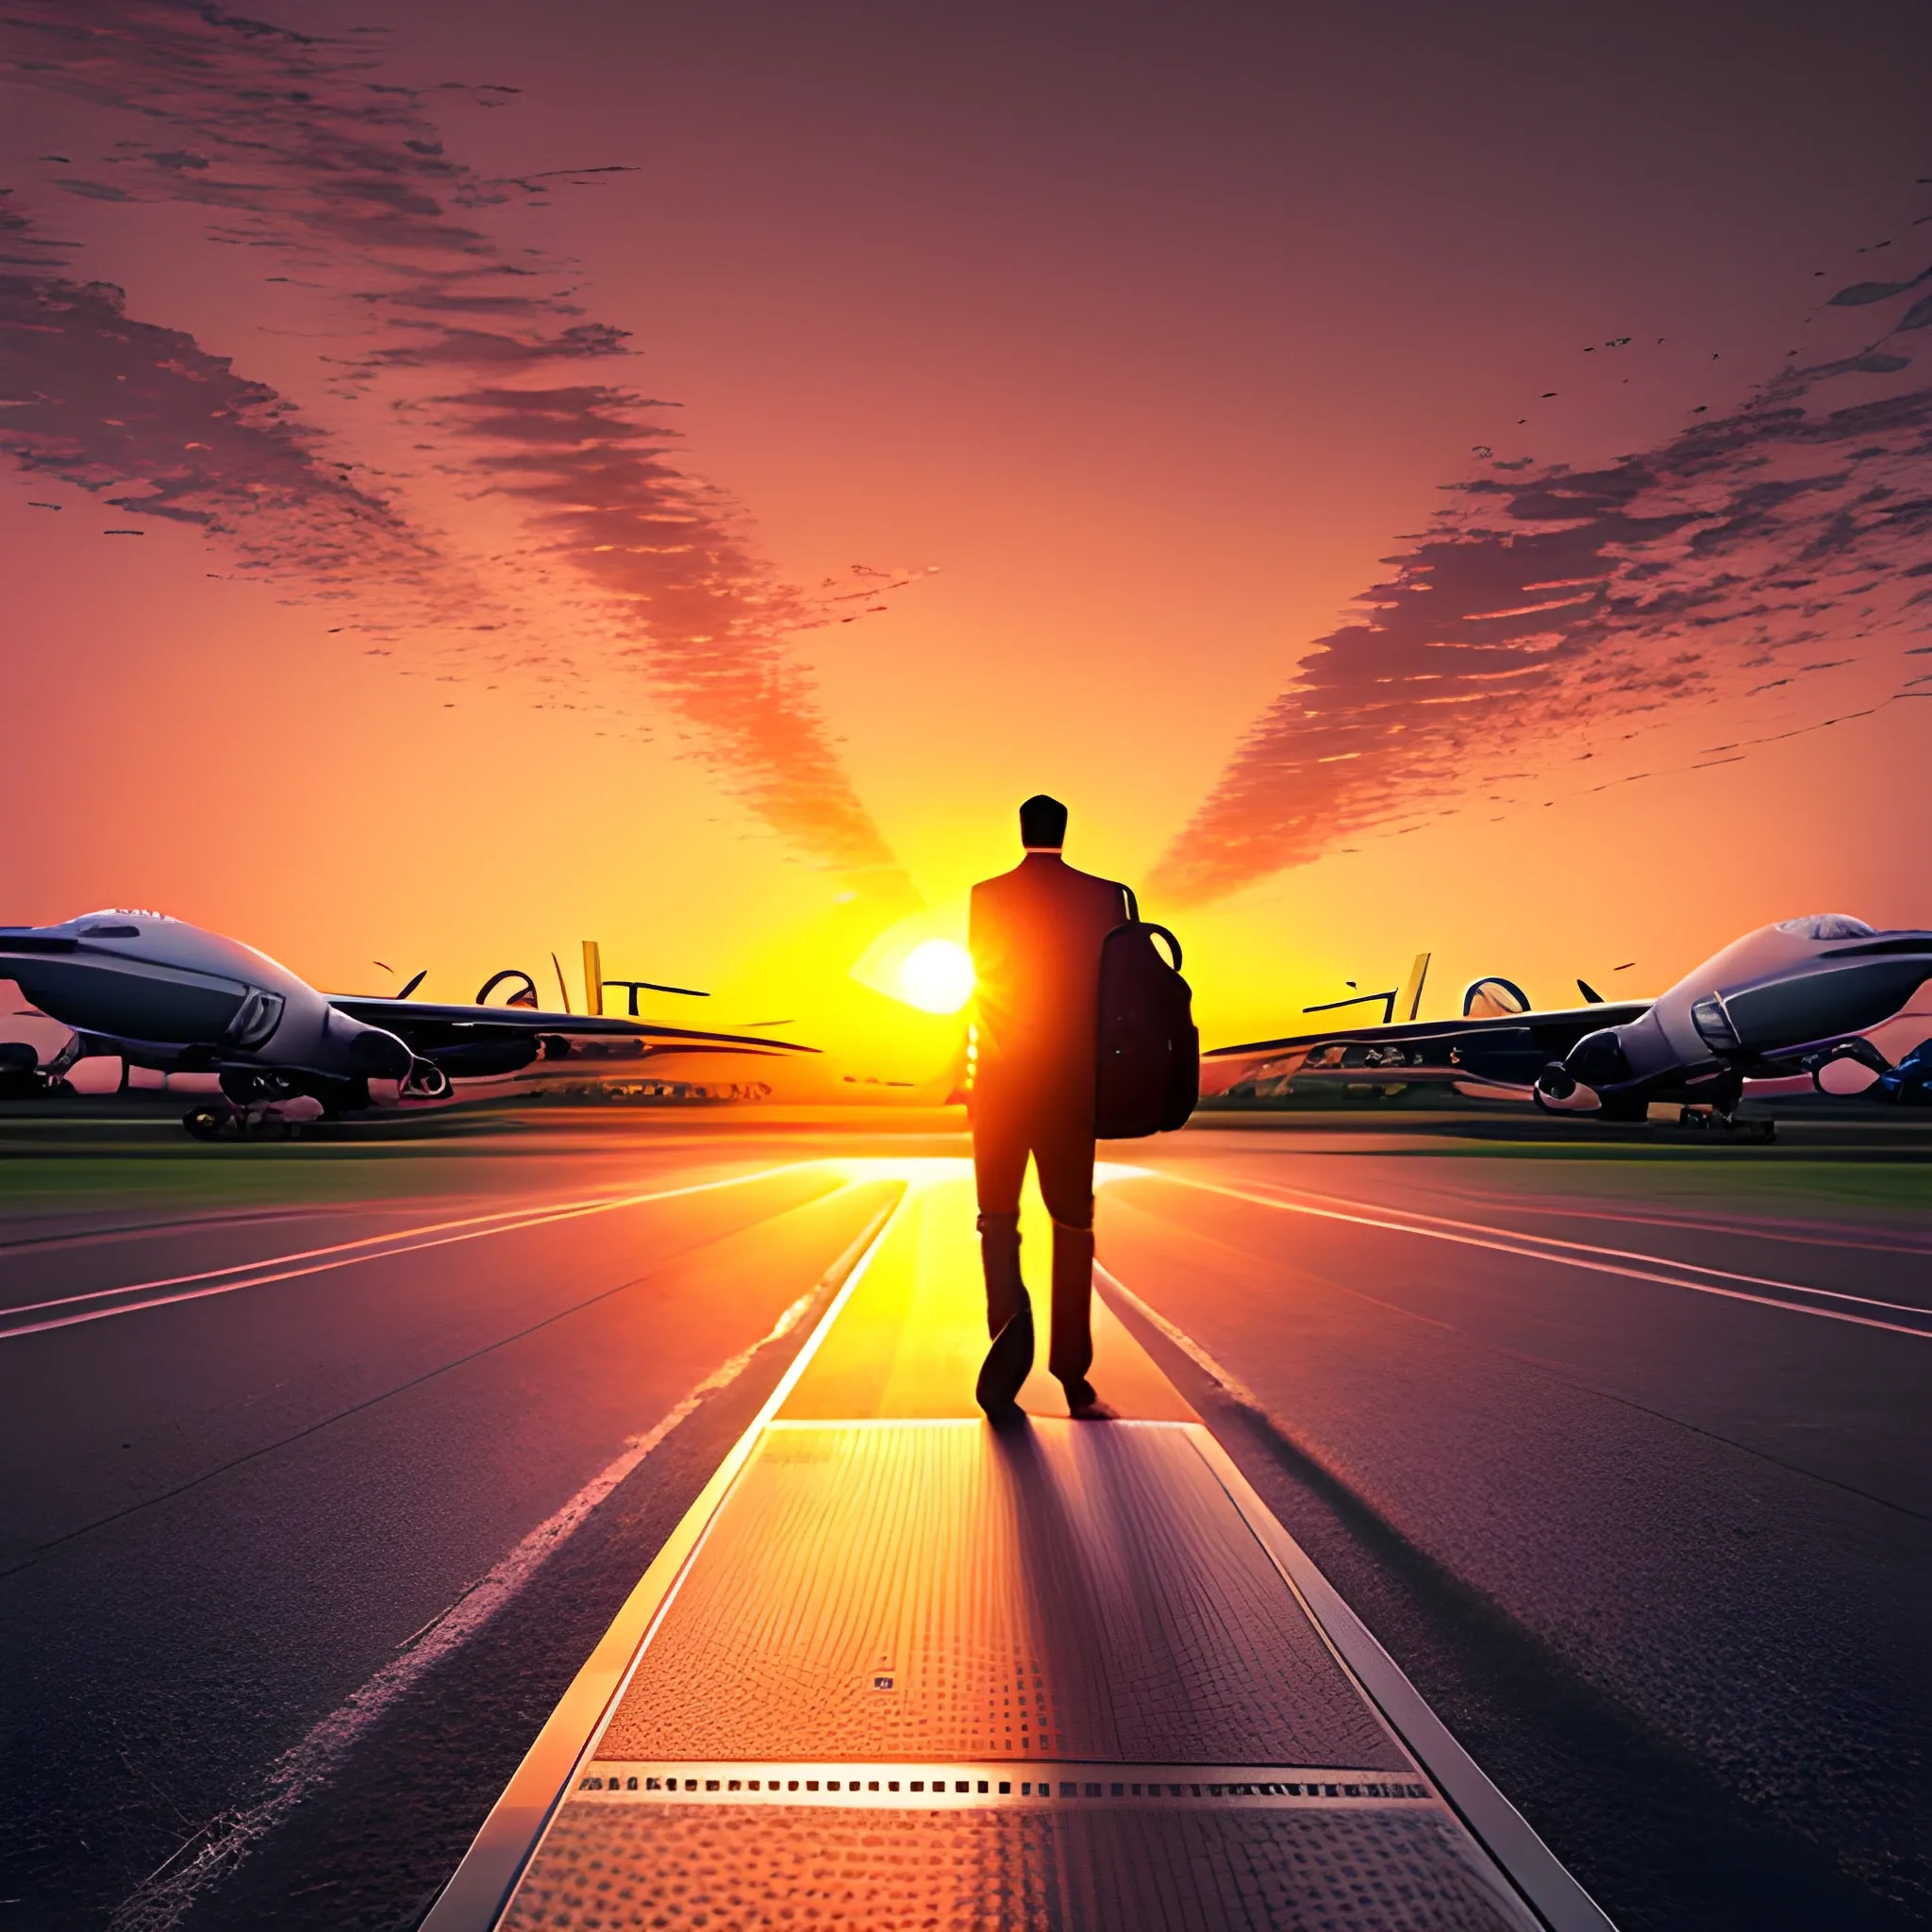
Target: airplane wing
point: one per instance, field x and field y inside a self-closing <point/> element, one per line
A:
<point x="1503" y="1051"/>
<point x="479" y="1043"/>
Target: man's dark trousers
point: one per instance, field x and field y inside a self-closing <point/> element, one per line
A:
<point x="1021" y="1111"/>
<point x="1037" y="934"/>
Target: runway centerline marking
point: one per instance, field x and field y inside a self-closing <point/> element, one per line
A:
<point x="378" y="1247"/>
<point x="1433" y="1227"/>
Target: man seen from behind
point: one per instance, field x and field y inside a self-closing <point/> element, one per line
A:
<point x="1036" y="934"/>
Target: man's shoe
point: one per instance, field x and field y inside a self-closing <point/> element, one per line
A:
<point x="1007" y="1364"/>
<point x="1084" y="1406"/>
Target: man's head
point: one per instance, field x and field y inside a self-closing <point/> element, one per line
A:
<point x="1043" y="823"/>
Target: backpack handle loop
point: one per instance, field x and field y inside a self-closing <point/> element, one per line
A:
<point x="1173" y="946"/>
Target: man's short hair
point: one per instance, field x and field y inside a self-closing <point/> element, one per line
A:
<point x="1043" y="823"/>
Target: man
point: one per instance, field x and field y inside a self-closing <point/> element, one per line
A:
<point x="1035" y="935"/>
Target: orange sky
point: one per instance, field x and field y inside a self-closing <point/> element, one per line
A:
<point x="1134" y="350"/>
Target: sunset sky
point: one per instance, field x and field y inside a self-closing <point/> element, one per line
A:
<point x="1409" y="477"/>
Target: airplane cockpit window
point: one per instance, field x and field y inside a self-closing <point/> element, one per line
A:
<point x="111" y="930"/>
<point x="1826" y="925"/>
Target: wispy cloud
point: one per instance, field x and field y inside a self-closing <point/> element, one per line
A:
<point x="300" y="149"/>
<point x="594" y="473"/>
<point x="1550" y="608"/>
<point x="145" y="419"/>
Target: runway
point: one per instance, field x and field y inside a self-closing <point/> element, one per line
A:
<point x="1593" y="1450"/>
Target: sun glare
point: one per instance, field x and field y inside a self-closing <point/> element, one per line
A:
<point x="936" y="976"/>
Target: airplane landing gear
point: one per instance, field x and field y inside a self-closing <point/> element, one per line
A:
<point x="272" y="1119"/>
<point x="1711" y="1119"/>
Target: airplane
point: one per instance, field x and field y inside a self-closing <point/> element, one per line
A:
<point x="1788" y="1000"/>
<point x="160" y="993"/>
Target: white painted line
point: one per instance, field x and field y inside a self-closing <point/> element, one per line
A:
<point x="1181" y="1340"/>
<point x="1555" y="1896"/>
<point x="192" y="1223"/>
<point x="1497" y="1825"/>
<point x="1518" y="1244"/>
<point x="380" y="1247"/>
<point x="1792" y="1233"/>
<point x="162" y="1900"/>
<point x="481" y="1885"/>
<point x="511" y="1838"/>
<point x="1550" y="1240"/>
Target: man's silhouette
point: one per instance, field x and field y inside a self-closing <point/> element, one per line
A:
<point x="1035" y="935"/>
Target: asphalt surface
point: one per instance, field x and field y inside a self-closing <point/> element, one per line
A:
<point x="326" y="1466"/>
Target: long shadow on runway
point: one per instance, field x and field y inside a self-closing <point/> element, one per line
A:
<point x="1597" y="1783"/>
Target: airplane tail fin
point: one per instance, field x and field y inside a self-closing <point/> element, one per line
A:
<point x="1412" y="992"/>
<point x="1492" y="997"/>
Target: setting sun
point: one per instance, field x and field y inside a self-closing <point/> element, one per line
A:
<point x="936" y="975"/>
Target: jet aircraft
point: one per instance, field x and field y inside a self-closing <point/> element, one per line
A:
<point x="1788" y="1000"/>
<point x="158" y="993"/>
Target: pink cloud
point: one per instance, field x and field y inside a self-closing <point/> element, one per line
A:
<point x="296" y="146"/>
<point x="1545" y="606"/>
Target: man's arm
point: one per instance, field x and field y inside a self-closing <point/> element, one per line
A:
<point x="978" y="938"/>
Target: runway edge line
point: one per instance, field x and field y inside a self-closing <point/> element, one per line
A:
<point x="1546" y="1248"/>
<point x="480" y="1888"/>
<point x="168" y="1892"/>
<point x="378" y="1247"/>
<point x="1546" y="1884"/>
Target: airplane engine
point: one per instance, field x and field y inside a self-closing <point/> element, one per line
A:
<point x="1576" y="1083"/>
<point x="1559" y="1090"/>
<point x="486" y="1056"/>
<point x="426" y="1081"/>
<point x="320" y="1037"/>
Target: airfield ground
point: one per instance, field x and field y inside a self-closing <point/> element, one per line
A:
<point x="1617" y="1442"/>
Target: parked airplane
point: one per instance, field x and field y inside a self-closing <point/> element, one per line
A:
<point x="1792" y="999"/>
<point x="158" y="993"/>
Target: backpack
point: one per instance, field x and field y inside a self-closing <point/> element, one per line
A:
<point x="1148" y="1076"/>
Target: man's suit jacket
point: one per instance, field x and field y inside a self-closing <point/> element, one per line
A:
<point x="1035" y="935"/>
